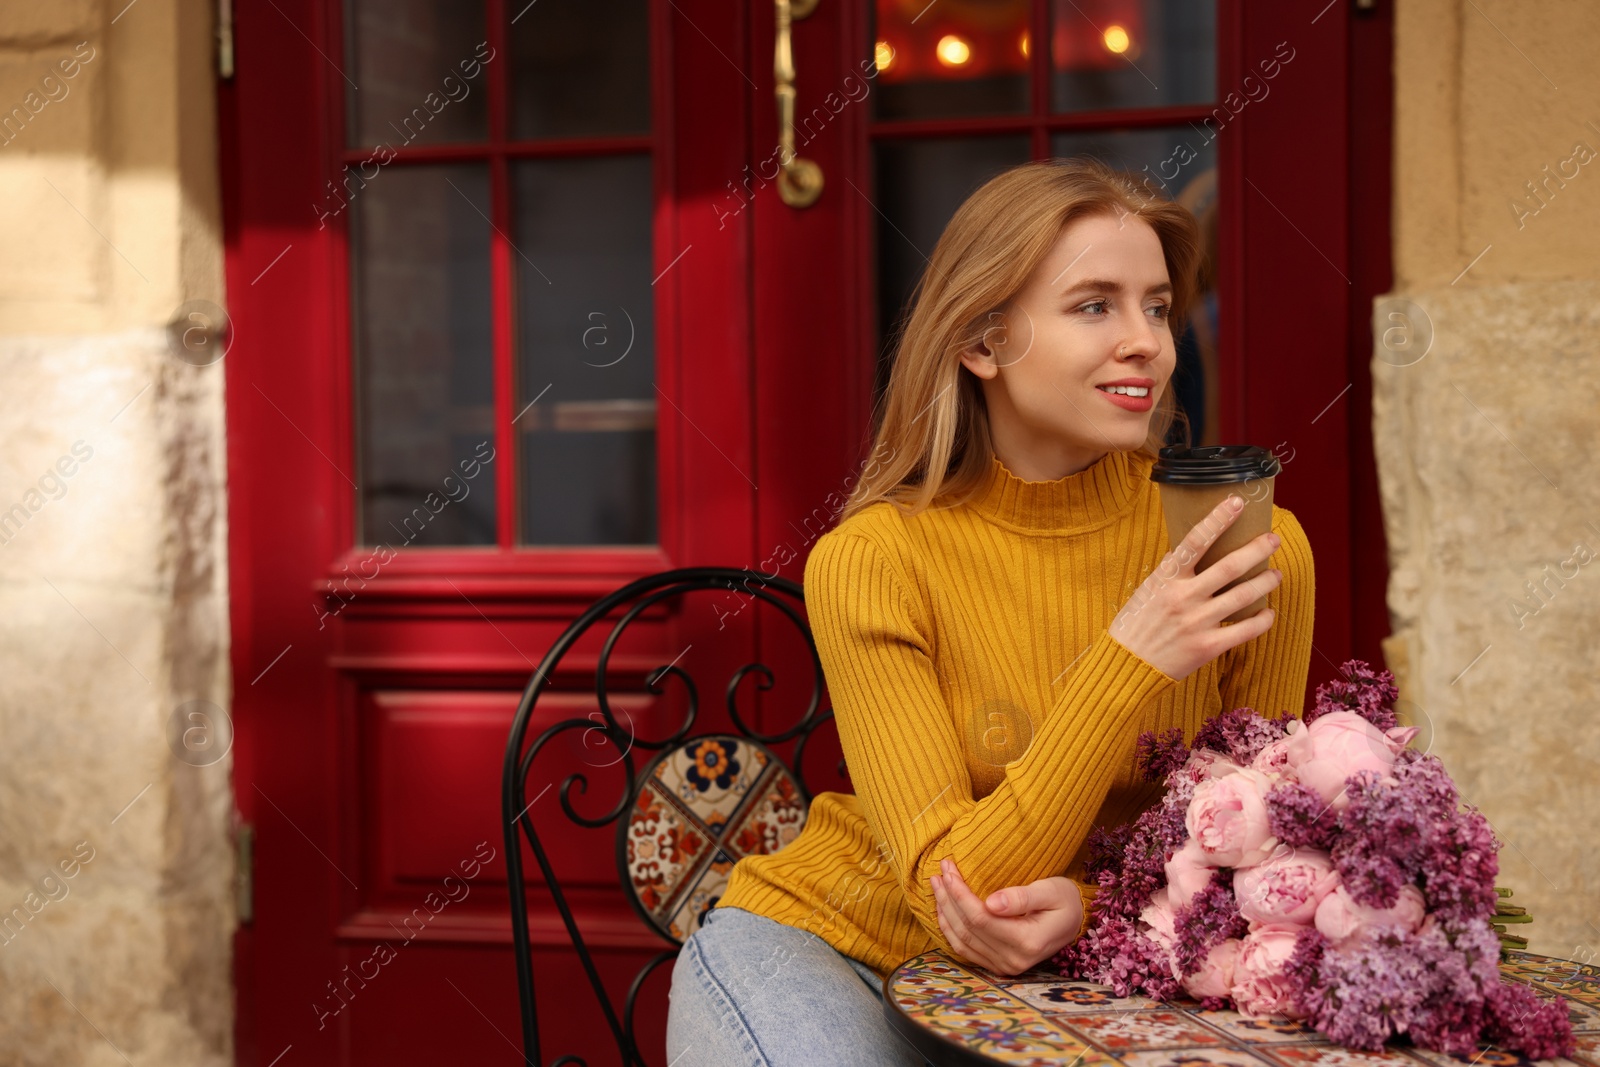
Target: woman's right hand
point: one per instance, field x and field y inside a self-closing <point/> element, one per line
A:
<point x="1174" y="620"/>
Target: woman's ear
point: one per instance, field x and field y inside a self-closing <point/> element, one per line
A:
<point x="978" y="355"/>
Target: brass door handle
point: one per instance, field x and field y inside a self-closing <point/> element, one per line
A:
<point x="799" y="180"/>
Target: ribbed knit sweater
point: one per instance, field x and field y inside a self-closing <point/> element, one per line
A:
<point x="986" y="714"/>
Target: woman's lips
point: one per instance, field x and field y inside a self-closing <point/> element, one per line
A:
<point x="1129" y="403"/>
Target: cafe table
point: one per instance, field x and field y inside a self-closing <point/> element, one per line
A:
<point x="958" y="1014"/>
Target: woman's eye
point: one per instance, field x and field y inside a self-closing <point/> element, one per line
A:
<point x="1159" y="311"/>
<point x="1093" y="307"/>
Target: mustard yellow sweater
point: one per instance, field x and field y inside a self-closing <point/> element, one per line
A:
<point x="985" y="712"/>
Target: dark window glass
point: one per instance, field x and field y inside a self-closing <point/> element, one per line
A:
<point x="1132" y="53"/>
<point x="950" y="57"/>
<point x="415" y="72"/>
<point x="586" y="351"/>
<point x="919" y="185"/>
<point x="579" y="68"/>
<point x="424" y="371"/>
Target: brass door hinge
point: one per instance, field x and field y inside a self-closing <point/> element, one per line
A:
<point x="244" y="877"/>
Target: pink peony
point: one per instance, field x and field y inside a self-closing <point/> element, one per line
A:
<point x="1339" y="744"/>
<point x="1228" y="819"/>
<point x="1286" y="887"/>
<point x="1215" y="976"/>
<point x="1161" y="919"/>
<point x="1273" y="760"/>
<point x="1211" y="764"/>
<point x="1341" y="920"/>
<point x="1260" y="986"/>
<point x="1188" y="871"/>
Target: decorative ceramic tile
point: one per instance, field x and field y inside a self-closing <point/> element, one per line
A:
<point x="1148" y="1028"/>
<point x="1263" y="1030"/>
<point x="679" y="837"/>
<point x="1487" y="1057"/>
<point x="1021" y="1040"/>
<point x="710" y="776"/>
<point x="1588" y="1049"/>
<point x="1216" y="1056"/>
<point x="664" y="851"/>
<point x="1585" y="1019"/>
<point x="1067" y="997"/>
<point x="1576" y="981"/>
<point x="771" y="821"/>
<point x="1582" y="988"/>
<point x="958" y="1002"/>
<point x="701" y="897"/>
<point x="1334" y="1056"/>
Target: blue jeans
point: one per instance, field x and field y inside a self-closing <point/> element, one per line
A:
<point x="751" y="992"/>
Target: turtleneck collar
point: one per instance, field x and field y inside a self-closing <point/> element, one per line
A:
<point x="1077" y="503"/>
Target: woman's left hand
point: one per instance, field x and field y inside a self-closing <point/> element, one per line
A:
<point x="1014" y="928"/>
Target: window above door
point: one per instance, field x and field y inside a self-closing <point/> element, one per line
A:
<point x="497" y="175"/>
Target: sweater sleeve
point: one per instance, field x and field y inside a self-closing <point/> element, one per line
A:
<point x="1268" y="674"/>
<point x="905" y="755"/>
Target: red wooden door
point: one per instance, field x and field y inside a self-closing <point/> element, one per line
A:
<point x="519" y="316"/>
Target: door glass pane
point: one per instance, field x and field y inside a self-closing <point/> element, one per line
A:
<point x="586" y="351"/>
<point x="1132" y="53"/>
<point x="950" y="57"/>
<point x="417" y="71"/>
<point x="1179" y="162"/>
<point x="579" y="68"/>
<point x="424" y="378"/>
<point x="919" y="185"/>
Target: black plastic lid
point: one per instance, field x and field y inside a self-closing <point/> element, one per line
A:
<point x="1214" y="465"/>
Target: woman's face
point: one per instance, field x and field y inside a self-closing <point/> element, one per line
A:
<point x="1092" y="317"/>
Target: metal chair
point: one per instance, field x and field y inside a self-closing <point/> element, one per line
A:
<point x="688" y="781"/>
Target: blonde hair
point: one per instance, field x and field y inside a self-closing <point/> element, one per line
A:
<point x="932" y="441"/>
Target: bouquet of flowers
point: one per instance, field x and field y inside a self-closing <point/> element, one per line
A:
<point x="1315" y="868"/>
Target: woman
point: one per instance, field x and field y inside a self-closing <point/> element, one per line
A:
<point x="987" y="687"/>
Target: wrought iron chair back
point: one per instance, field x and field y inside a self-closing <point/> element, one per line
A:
<point x="631" y="601"/>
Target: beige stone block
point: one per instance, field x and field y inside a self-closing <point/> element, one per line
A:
<point x="1529" y="96"/>
<point x="48" y="100"/>
<point x="55" y="211"/>
<point x="1484" y="451"/>
<point x="113" y="615"/>
<point x="30" y="22"/>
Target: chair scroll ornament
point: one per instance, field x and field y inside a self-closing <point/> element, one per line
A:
<point x="701" y="802"/>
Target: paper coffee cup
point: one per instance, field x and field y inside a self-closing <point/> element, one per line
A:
<point x="1193" y="481"/>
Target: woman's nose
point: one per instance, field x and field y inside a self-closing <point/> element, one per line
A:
<point x="1140" y="340"/>
<point x="1139" y="345"/>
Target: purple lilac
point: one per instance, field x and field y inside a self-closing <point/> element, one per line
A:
<point x="1376" y="990"/>
<point x="1383" y="834"/>
<point x="1459" y="867"/>
<point x="1302" y="966"/>
<point x="1206" y="921"/>
<point x="1125" y="892"/>
<point x="1300" y="818"/>
<point x="1105" y="846"/>
<point x="1370" y="694"/>
<point x="1116" y="954"/>
<point x="1239" y="734"/>
<point x="1518" y="1019"/>
<point x="1425" y="778"/>
<point x="1162" y="754"/>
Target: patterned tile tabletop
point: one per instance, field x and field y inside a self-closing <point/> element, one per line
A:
<point x="960" y="1014"/>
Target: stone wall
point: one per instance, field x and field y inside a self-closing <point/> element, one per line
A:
<point x="116" y="863"/>
<point x="1486" y="375"/>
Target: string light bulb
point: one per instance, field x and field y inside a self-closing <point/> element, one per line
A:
<point x="953" y="51"/>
